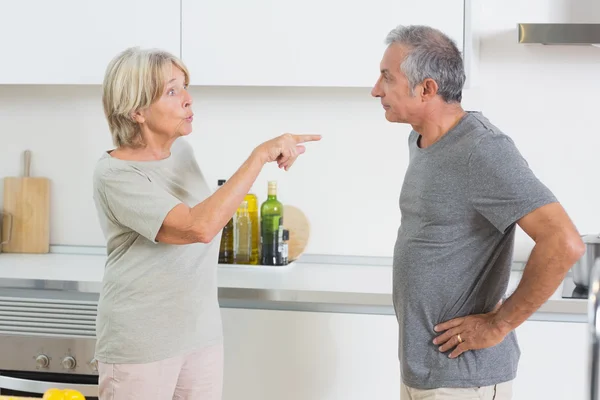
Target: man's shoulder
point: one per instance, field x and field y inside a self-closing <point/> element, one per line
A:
<point x="478" y="125"/>
<point x="482" y="134"/>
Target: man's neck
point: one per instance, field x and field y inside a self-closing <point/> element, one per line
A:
<point x="437" y="123"/>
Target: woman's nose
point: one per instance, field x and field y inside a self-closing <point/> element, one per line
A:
<point x="188" y="99"/>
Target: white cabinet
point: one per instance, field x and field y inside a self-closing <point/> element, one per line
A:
<point x="554" y="357"/>
<point x="301" y="43"/>
<point x="274" y="355"/>
<point x="223" y="42"/>
<point x="72" y="41"/>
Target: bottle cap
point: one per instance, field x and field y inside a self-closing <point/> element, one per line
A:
<point x="272" y="190"/>
<point x="286" y="234"/>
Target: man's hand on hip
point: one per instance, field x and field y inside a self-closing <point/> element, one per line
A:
<point x="472" y="332"/>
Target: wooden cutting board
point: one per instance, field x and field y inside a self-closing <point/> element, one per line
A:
<point x="27" y="201"/>
<point x="17" y="398"/>
<point x="295" y="221"/>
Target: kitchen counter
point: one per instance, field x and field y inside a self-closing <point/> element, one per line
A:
<point x="303" y="286"/>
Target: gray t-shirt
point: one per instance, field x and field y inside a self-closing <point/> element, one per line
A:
<point x="158" y="300"/>
<point x="460" y="201"/>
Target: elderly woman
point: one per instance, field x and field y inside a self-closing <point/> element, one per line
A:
<point x="159" y="333"/>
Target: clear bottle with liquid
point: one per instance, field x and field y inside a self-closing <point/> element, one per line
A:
<point x="226" y="254"/>
<point x="242" y="236"/>
<point x="255" y="231"/>
<point x="271" y="227"/>
<point x="284" y="247"/>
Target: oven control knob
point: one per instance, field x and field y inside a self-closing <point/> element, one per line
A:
<point x="42" y="361"/>
<point x="69" y="363"/>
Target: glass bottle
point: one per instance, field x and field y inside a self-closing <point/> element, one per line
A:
<point x="284" y="247"/>
<point x="226" y="248"/>
<point x="271" y="227"/>
<point x="255" y="231"/>
<point x="242" y="236"/>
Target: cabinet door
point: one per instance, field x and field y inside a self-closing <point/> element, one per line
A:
<point x="72" y="41"/>
<point x="301" y="43"/>
<point x="292" y="355"/>
<point x="554" y="361"/>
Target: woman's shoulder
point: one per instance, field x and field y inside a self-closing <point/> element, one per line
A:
<point x="107" y="164"/>
<point x="108" y="168"/>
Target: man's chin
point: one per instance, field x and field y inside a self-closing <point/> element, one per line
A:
<point x="392" y="118"/>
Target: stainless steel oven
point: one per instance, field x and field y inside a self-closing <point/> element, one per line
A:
<point x="33" y="384"/>
<point x="47" y="337"/>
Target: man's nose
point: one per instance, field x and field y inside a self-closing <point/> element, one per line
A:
<point x="376" y="91"/>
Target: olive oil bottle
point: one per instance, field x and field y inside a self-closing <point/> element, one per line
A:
<point x="255" y="228"/>
<point x="242" y="235"/>
<point x="271" y="228"/>
<point x="226" y="255"/>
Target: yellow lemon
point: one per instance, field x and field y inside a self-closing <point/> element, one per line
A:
<point x="67" y="394"/>
<point x="53" y="394"/>
<point x="72" y="395"/>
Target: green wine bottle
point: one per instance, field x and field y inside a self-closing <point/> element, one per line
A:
<point x="271" y="228"/>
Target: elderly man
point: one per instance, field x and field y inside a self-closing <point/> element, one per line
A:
<point x="465" y="190"/>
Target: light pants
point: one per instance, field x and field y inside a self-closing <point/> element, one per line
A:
<point x="195" y="376"/>
<point x="502" y="391"/>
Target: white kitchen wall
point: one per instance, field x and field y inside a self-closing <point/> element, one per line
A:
<point x="543" y="97"/>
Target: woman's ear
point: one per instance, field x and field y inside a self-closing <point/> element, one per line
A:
<point x="138" y="117"/>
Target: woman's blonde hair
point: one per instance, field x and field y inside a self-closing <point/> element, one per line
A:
<point x="134" y="80"/>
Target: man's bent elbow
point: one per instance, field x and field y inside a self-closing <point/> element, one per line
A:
<point x="574" y="248"/>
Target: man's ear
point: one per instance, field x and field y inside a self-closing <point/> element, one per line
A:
<point x="430" y="88"/>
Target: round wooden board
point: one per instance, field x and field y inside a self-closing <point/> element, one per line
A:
<point x="297" y="223"/>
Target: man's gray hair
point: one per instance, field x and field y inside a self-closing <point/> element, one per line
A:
<point x="433" y="55"/>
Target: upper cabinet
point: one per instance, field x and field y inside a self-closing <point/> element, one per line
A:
<point x="301" y="43"/>
<point x="72" y="41"/>
<point x="223" y="42"/>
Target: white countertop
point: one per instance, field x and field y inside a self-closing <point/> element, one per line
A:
<point x="298" y="276"/>
<point x="301" y="277"/>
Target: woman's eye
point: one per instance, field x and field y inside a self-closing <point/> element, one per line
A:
<point x="171" y="92"/>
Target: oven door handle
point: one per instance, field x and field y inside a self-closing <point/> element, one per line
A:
<point x="40" y="387"/>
